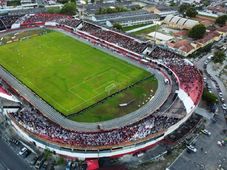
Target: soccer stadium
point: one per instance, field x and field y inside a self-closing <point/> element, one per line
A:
<point x="86" y="91"/>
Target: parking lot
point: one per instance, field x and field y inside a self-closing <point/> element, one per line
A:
<point x="24" y="155"/>
<point x="209" y="154"/>
<point x="11" y="160"/>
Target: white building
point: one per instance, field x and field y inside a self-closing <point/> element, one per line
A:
<point x="126" y="18"/>
<point x="160" y="38"/>
<point x="190" y="1"/>
<point x="179" y="22"/>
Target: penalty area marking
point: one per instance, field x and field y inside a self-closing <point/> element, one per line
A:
<point x="106" y="88"/>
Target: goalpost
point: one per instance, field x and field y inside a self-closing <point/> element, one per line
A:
<point x="110" y="88"/>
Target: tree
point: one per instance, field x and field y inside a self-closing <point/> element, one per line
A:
<point x="182" y="8"/>
<point x="47" y="153"/>
<point x="191" y="12"/>
<point x="60" y="161"/>
<point x="172" y="3"/>
<point x="206" y="2"/>
<point x="197" y="31"/>
<point x="62" y="1"/>
<point x="219" y="57"/>
<point x="210" y="98"/>
<point x="221" y="20"/>
<point x="118" y="26"/>
<point x="69" y="8"/>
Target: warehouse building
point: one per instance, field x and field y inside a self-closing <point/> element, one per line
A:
<point x="126" y="18"/>
<point x="179" y="22"/>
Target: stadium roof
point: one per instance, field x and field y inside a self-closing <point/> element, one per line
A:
<point x="160" y="36"/>
<point x="135" y="18"/>
<point x="106" y="17"/>
<point x="183" y="23"/>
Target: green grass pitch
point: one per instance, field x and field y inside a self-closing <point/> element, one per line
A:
<point x="66" y="73"/>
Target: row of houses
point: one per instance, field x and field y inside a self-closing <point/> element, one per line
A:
<point x="187" y="47"/>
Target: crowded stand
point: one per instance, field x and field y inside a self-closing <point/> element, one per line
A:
<point x="189" y="77"/>
<point x="42" y="18"/>
<point x="110" y="36"/>
<point x="70" y="22"/>
<point x="7" y="21"/>
<point x="114" y="37"/>
<point x="160" y="53"/>
<point x="37" y="124"/>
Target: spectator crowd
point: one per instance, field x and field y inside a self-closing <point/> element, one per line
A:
<point x="42" y="18"/>
<point x="7" y="21"/>
<point x="189" y="77"/>
<point x="37" y="124"/>
<point x="114" y="37"/>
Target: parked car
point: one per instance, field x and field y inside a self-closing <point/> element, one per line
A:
<point x="219" y="143"/>
<point x="39" y="163"/>
<point x="206" y="132"/>
<point x="220" y="94"/>
<point x="45" y="165"/>
<point x="191" y="148"/>
<point x="224" y="107"/>
<point x="23" y="150"/>
<point x="26" y="153"/>
<point x="210" y="57"/>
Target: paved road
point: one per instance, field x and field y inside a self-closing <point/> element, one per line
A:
<point x="212" y="155"/>
<point x="9" y="160"/>
<point x="214" y="75"/>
